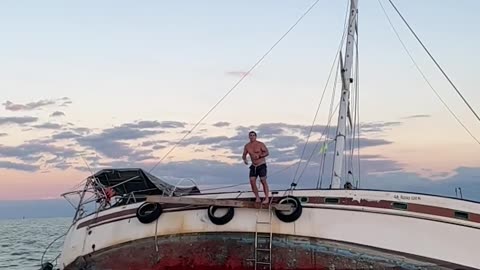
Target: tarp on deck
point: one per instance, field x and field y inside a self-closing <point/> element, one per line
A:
<point x="140" y="182"/>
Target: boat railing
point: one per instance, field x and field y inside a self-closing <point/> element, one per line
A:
<point x="80" y="199"/>
<point x="178" y="185"/>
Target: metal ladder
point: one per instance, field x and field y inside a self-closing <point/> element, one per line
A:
<point x="265" y="261"/>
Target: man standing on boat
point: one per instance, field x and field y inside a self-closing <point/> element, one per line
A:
<point x="257" y="152"/>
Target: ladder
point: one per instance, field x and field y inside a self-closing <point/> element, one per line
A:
<point x="263" y="240"/>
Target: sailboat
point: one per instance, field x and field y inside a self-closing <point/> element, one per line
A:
<point x="156" y="225"/>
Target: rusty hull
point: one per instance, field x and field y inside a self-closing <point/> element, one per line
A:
<point x="233" y="251"/>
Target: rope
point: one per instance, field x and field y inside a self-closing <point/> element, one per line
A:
<point x="51" y="243"/>
<point x="435" y="61"/>
<point x="236" y="84"/>
<point x="156" y="242"/>
<point x="424" y="76"/>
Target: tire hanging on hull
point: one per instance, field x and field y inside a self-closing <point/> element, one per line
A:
<point x="223" y="219"/>
<point x="292" y="215"/>
<point x="149" y="212"/>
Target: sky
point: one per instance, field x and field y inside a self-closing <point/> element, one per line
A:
<point x="89" y="85"/>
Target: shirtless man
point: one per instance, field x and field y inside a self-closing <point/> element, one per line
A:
<point x="257" y="152"/>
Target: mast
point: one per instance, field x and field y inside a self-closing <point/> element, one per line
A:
<point x="347" y="80"/>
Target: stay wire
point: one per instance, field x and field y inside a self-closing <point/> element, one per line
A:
<point x="236" y="84"/>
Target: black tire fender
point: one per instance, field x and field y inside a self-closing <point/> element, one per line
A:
<point x="292" y="215"/>
<point x="149" y="212"/>
<point x="223" y="219"/>
<point x="46" y="266"/>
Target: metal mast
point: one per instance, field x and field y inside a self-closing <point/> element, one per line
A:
<point x="347" y="80"/>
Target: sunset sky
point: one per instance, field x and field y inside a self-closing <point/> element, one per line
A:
<point x="119" y="82"/>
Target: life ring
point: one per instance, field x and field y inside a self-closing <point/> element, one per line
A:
<point x="220" y="220"/>
<point x="292" y="215"/>
<point x="148" y="212"/>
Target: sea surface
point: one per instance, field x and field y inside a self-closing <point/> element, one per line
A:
<point x="23" y="241"/>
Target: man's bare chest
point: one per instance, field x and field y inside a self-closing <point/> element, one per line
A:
<point x="254" y="148"/>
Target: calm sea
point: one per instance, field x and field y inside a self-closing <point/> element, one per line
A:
<point x="23" y="241"/>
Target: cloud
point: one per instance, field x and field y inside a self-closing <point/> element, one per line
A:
<point x="366" y="142"/>
<point x="10" y="106"/>
<point x="17" y="120"/>
<point x="417" y="116"/>
<point x="33" y="151"/>
<point x="62" y="165"/>
<point x="269" y="129"/>
<point x="274" y="129"/>
<point x="155" y="124"/>
<point x="153" y="143"/>
<point x="65" y="135"/>
<point x="285" y="142"/>
<point x="237" y="73"/>
<point x="376" y="127"/>
<point x="125" y="133"/>
<point x="18" y="166"/>
<point x="130" y="144"/>
<point x="111" y="142"/>
<point x="198" y="140"/>
<point x="109" y="148"/>
<point x="65" y="101"/>
<point x="172" y="124"/>
<point x="81" y="130"/>
<point x="221" y="124"/>
<point x="156" y="144"/>
<point x="48" y="126"/>
<point x="158" y="147"/>
<point x="57" y="114"/>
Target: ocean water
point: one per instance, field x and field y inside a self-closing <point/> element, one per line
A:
<point x="23" y="241"/>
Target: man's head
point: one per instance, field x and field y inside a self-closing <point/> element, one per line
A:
<point x="252" y="135"/>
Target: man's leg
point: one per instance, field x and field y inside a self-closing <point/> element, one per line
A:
<point x="265" y="188"/>
<point x="253" y="183"/>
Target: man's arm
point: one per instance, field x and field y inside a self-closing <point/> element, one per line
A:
<point x="244" y="156"/>
<point x="264" y="151"/>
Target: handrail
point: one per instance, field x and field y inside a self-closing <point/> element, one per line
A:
<point x="181" y="180"/>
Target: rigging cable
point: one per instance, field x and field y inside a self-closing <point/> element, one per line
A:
<point x="317" y="144"/>
<point x="321" y="168"/>
<point x="329" y="131"/>
<point x="357" y="90"/>
<point x="423" y="74"/>
<point x="295" y="181"/>
<point x="325" y="132"/>
<point x="435" y="61"/>
<point x="236" y="84"/>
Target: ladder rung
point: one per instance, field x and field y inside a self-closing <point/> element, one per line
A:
<point x="266" y="244"/>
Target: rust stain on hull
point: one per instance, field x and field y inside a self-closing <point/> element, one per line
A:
<point x="232" y="251"/>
